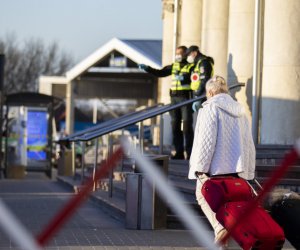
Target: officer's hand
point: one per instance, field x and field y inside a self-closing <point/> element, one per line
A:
<point x="179" y="77"/>
<point x="142" y="66"/>
<point x="197" y="92"/>
<point x="196" y="106"/>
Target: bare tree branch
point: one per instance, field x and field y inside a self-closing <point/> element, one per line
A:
<point x="24" y="64"/>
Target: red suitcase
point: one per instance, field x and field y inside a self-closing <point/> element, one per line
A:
<point x="219" y="190"/>
<point x="258" y="231"/>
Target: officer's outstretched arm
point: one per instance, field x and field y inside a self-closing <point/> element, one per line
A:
<point x="165" y="71"/>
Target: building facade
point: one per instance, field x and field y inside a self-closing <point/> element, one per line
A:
<point x="255" y="42"/>
<point x="111" y="72"/>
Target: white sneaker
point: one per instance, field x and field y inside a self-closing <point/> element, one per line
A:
<point x="219" y="237"/>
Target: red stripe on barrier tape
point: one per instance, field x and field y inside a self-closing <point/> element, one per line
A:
<point x="74" y="203"/>
<point x="288" y="160"/>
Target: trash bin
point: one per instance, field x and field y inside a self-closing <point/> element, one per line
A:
<point x="15" y="172"/>
<point x="64" y="163"/>
<point x="144" y="208"/>
<point x="15" y="169"/>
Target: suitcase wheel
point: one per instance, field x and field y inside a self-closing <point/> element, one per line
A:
<point x="279" y="245"/>
<point x="256" y="245"/>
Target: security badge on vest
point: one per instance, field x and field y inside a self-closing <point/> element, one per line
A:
<point x="195" y="78"/>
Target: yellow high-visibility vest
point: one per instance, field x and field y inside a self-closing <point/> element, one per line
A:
<point x="195" y="77"/>
<point x="177" y="71"/>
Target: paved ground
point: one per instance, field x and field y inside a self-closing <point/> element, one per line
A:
<point x="36" y="199"/>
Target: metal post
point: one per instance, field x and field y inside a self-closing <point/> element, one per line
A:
<point x="141" y="136"/>
<point x="107" y="146"/>
<point x="122" y="159"/>
<point x="73" y="159"/>
<point x="50" y="138"/>
<point x="175" y="29"/>
<point x="256" y="70"/>
<point x="70" y="108"/>
<point x="6" y="142"/>
<point x="95" y="162"/>
<point x="110" y="151"/>
<point x="161" y="135"/>
<point x="95" y="110"/>
<point x="82" y="161"/>
<point x="2" y="63"/>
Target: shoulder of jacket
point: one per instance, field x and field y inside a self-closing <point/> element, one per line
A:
<point x="176" y="65"/>
<point x="210" y="109"/>
<point x="201" y="60"/>
<point x="206" y="60"/>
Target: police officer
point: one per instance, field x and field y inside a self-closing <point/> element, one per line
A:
<point x="202" y="72"/>
<point x="180" y="91"/>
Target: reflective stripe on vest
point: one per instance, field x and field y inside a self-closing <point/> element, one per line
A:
<point x="177" y="72"/>
<point x="195" y="77"/>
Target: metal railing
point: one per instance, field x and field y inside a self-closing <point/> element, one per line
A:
<point x="107" y="124"/>
<point x="122" y="122"/>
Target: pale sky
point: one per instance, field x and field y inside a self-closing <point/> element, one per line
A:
<point x="81" y="26"/>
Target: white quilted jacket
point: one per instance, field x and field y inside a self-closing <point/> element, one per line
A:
<point x="223" y="141"/>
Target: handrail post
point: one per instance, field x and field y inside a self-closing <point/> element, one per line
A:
<point x="2" y="64"/>
<point x="95" y="162"/>
<point x="73" y="159"/>
<point x="141" y="136"/>
<point x="110" y="151"/>
<point x="161" y="134"/>
<point x="105" y="146"/>
<point x="122" y="159"/>
<point x="82" y="161"/>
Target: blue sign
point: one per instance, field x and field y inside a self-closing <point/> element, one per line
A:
<point x="37" y="133"/>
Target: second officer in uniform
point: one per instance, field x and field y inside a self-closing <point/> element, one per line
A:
<point x="180" y="91"/>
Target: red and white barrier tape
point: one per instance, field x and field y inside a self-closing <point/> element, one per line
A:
<point x="21" y="237"/>
<point x="288" y="160"/>
<point x="15" y="230"/>
<point x="75" y="202"/>
<point x="187" y="216"/>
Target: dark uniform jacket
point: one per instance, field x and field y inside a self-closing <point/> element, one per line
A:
<point x="205" y="71"/>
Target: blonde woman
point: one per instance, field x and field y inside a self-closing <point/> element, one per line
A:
<point x="223" y="143"/>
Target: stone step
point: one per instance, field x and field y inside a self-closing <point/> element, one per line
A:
<point x="178" y="172"/>
<point x="266" y="170"/>
<point x="267" y="161"/>
<point x="286" y="183"/>
<point x="173" y="222"/>
<point x="272" y="149"/>
<point x="115" y="206"/>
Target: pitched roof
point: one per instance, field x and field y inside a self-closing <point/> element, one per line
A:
<point x="150" y="48"/>
<point x="140" y="51"/>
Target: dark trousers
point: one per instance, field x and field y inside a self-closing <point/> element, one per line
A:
<point x="184" y="114"/>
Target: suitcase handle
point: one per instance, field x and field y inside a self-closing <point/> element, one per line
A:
<point x="202" y="180"/>
<point x="257" y="183"/>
